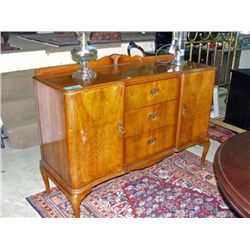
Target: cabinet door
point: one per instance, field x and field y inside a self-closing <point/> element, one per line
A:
<point x="95" y="138"/>
<point x="195" y="107"/>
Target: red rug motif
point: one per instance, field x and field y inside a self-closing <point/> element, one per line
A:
<point x="176" y="187"/>
<point x="219" y="133"/>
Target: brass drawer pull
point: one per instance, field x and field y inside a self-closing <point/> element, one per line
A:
<point x="154" y="91"/>
<point x="151" y="141"/>
<point x="121" y="128"/>
<point x="153" y="116"/>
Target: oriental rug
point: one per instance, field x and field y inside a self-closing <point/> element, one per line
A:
<point x="8" y="47"/>
<point x="176" y="187"/>
<point x="219" y="133"/>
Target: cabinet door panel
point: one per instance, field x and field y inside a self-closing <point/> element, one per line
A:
<point x="95" y="143"/>
<point x="195" y="107"/>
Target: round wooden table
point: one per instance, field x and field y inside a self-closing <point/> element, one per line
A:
<point x="232" y="170"/>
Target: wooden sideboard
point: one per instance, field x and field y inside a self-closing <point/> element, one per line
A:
<point x="134" y="113"/>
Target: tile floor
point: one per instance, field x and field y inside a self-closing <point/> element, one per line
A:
<point x="20" y="177"/>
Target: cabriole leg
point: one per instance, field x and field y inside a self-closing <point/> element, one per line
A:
<point x="75" y="203"/>
<point x="76" y="200"/>
<point x="45" y="180"/>
<point x="206" y="145"/>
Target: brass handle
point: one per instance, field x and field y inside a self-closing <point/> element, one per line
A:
<point x="83" y="137"/>
<point x="184" y="109"/>
<point x="153" y="116"/>
<point x="121" y="128"/>
<point x="151" y="141"/>
<point x="154" y="91"/>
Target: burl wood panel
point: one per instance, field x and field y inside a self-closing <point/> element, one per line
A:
<point x="139" y="121"/>
<point x="52" y="127"/>
<point x="150" y="93"/>
<point x="195" y="105"/>
<point x="94" y="142"/>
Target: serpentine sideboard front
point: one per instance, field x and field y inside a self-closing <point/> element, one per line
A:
<point x="131" y="116"/>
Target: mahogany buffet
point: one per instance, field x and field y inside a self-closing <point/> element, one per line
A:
<point x="137" y="111"/>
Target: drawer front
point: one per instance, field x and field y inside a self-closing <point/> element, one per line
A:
<point x="139" y="147"/>
<point x="141" y="120"/>
<point x="150" y="93"/>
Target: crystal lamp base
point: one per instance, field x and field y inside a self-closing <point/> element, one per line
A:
<point x="84" y="74"/>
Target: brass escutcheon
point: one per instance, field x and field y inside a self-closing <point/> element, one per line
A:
<point x="121" y="128"/>
<point x="184" y="109"/>
<point x="83" y="136"/>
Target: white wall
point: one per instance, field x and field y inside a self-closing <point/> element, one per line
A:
<point x="245" y="59"/>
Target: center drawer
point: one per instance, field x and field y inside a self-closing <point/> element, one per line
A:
<point x="149" y="93"/>
<point x="139" y="121"/>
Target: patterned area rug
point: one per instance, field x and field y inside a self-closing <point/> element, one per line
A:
<point x="5" y="48"/>
<point x="219" y="133"/>
<point x="175" y="187"/>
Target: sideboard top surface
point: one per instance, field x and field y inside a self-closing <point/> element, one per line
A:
<point x="114" y="73"/>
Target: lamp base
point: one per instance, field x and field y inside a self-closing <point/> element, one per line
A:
<point x="84" y="74"/>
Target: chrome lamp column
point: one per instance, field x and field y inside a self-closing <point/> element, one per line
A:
<point x="178" y="42"/>
<point x="83" y="54"/>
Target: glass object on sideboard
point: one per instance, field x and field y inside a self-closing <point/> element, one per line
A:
<point x="83" y="54"/>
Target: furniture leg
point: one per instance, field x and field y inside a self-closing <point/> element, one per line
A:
<point x="75" y="203"/>
<point x="76" y="200"/>
<point x="45" y="179"/>
<point x="206" y="145"/>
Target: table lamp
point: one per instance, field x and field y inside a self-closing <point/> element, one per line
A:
<point x="83" y="54"/>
